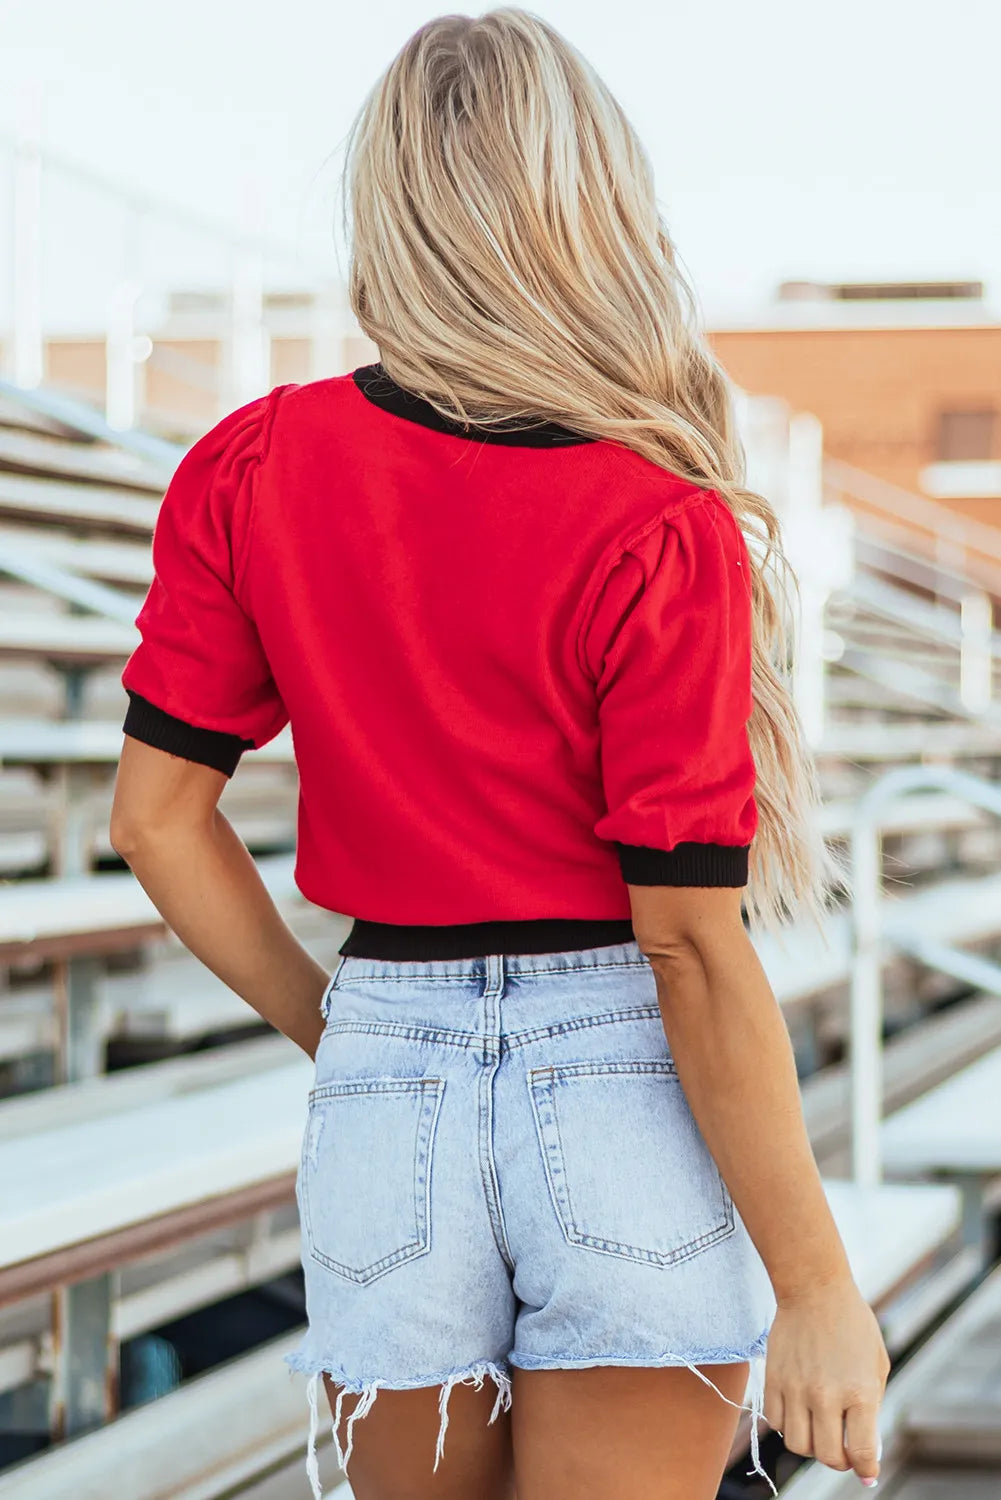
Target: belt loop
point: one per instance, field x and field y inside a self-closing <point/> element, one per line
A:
<point x="327" y="998"/>
<point x="495" y="974"/>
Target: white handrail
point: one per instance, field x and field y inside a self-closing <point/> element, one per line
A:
<point x="26" y="228"/>
<point x="968" y="630"/>
<point x="157" y="453"/>
<point x="884" y="547"/>
<point x="917" y="511"/>
<point x="247" y="371"/>
<point x="148" y="203"/>
<point x="867" y="961"/>
<point x="63" y="583"/>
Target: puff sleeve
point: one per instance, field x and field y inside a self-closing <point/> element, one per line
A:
<point x="199" y="683"/>
<point x="668" y="647"/>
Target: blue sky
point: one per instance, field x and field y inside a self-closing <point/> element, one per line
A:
<point x="790" y="138"/>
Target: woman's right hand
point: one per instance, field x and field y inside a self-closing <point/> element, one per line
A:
<point x="826" y="1369"/>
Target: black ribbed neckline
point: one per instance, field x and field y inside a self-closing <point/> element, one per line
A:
<point x="379" y="387"/>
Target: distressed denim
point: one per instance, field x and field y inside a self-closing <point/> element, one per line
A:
<point x="500" y="1168"/>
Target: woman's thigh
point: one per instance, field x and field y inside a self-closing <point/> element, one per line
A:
<point x="393" y="1451"/>
<point x="641" y="1433"/>
<point x="635" y="1432"/>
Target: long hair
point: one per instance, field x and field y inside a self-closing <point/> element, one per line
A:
<point x="509" y="260"/>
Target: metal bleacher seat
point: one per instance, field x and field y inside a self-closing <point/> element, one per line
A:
<point x="86" y="640"/>
<point x="80" y="920"/>
<point x="89" y="1179"/>
<point x="953" y="1132"/>
<point x="201" y="1442"/>
<point x="953" y="1129"/>
<point x="115" y="560"/>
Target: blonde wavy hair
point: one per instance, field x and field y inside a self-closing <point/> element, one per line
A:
<point x="509" y="260"/>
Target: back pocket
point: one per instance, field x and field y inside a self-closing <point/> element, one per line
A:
<point x="365" y="1174"/>
<point x="628" y="1170"/>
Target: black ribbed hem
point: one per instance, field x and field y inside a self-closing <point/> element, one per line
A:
<point x="207" y="747"/>
<point x="418" y="943"/>
<point x="685" y="864"/>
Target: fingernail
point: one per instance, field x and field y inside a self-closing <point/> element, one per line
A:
<point x="870" y="1483"/>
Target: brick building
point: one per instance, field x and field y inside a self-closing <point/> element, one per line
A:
<point x="905" y="379"/>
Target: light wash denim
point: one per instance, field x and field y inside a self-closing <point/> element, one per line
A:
<point x="500" y="1168"/>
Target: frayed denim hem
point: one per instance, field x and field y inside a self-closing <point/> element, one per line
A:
<point x="500" y="1374"/>
<point x="713" y="1355"/>
<point x="755" y="1353"/>
<point x="368" y="1390"/>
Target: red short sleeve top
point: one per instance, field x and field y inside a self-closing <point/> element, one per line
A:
<point x="516" y="663"/>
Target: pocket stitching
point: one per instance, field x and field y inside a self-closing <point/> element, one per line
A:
<point x="542" y="1081"/>
<point x="423" y="1145"/>
<point x="587" y="1068"/>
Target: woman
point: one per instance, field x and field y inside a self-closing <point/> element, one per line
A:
<point x="524" y="617"/>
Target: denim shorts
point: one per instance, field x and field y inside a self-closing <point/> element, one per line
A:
<point x="499" y="1168"/>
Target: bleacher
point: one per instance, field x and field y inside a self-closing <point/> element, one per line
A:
<point x="131" y="1197"/>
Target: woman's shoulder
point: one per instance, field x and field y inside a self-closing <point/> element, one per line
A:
<point x="644" y="505"/>
<point x="303" y="403"/>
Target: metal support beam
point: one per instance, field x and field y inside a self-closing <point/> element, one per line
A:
<point x="28" y="362"/>
<point x="120" y="364"/>
<point x="85" y="1374"/>
<point x="79" y="980"/>
<point x="332" y="323"/>
<point x="976" y="658"/>
<point x="83" y="1029"/>
<point x="974" y="1227"/>
<point x="866" y="1045"/>
<point x="249" y="344"/>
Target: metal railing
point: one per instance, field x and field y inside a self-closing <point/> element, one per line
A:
<point x="857" y="541"/>
<point x="958" y="542"/>
<point x="88" y="424"/>
<point x="963" y="628"/>
<point x="871" y="940"/>
<point x="241" y="263"/>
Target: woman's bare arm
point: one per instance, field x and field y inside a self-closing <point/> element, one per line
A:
<point x="201" y="878"/>
<point x="731" y="1047"/>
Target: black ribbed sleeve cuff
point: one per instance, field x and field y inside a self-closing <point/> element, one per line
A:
<point x="685" y="864"/>
<point x="207" y="747"/>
